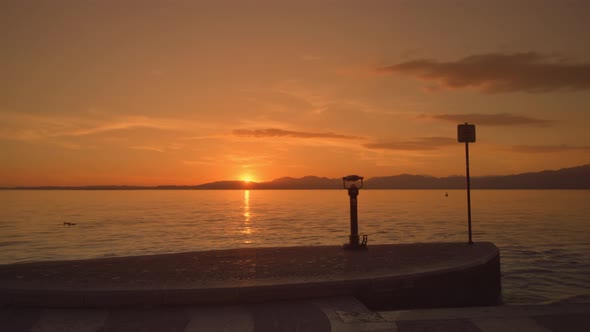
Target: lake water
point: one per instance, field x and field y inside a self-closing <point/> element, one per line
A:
<point x="544" y="236"/>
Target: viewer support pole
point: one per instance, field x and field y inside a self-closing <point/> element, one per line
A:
<point x="354" y="228"/>
<point x="468" y="191"/>
<point x="348" y="182"/>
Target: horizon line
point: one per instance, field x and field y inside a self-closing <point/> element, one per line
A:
<point x="251" y="183"/>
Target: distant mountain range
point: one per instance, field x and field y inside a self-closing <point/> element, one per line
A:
<point x="566" y="178"/>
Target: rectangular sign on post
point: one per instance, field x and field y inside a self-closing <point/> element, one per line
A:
<point x="466" y="133"/>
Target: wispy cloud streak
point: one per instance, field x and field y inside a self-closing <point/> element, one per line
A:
<point x="28" y="127"/>
<point x="548" y="148"/>
<point x="494" y="72"/>
<point x="275" y="132"/>
<point x="497" y="119"/>
<point x="118" y="124"/>
<point x="418" y="144"/>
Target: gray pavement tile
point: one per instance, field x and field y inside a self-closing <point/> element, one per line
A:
<point x="146" y="320"/>
<point x="211" y="296"/>
<point x="443" y="325"/>
<point x="565" y="322"/>
<point x="70" y="320"/>
<point x="4" y="300"/>
<point x="511" y="324"/>
<point x="18" y="319"/>
<point x="225" y="318"/>
<point x="348" y="314"/>
<point x="289" y="317"/>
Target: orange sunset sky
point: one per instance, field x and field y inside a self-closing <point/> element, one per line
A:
<point x="188" y="92"/>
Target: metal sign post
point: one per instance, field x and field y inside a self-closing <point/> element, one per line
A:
<point x="466" y="134"/>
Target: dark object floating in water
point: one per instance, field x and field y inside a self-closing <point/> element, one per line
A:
<point x="67" y="223"/>
<point x="446" y="194"/>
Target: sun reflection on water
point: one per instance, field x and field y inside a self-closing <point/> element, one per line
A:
<point x="246" y="206"/>
<point x="247" y="229"/>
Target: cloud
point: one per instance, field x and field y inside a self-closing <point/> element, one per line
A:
<point x="498" y="119"/>
<point x="547" y="148"/>
<point x="148" y="148"/>
<point x="418" y="144"/>
<point x="29" y="127"/>
<point x="202" y="161"/>
<point x="274" y="132"/>
<point x="124" y="123"/>
<point x="494" y="72"/>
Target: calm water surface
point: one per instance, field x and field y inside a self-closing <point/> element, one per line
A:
<point x="544" y="236"/>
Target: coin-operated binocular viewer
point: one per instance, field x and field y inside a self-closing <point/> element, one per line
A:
<point x="351" y="183"/>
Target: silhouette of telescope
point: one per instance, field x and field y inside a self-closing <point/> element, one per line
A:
<point x="350" y="182"/>
<point x="351" y="179"/>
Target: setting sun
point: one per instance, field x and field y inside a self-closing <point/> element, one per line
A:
<point x="247" y="178"/>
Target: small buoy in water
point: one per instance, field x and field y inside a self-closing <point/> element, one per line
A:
<point x="446" y="194"/>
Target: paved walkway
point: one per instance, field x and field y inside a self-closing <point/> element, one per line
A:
<point x="106" y="284"/>
<point x="321" y="315"/>
<point x="232" y="276"/>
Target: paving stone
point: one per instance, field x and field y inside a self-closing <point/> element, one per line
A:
<point x="70" y="320"/>
<point x="449" y="325"/>
<point x="565" y="322"/>
<point x="146" y="320"/>
<point x="18" y="319"/>
<point x="225" y="318"/>
<point x="289" y="316"/>
<point x="522" y="324"/>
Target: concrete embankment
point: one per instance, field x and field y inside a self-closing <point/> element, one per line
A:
<point x="382" y="277"/>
